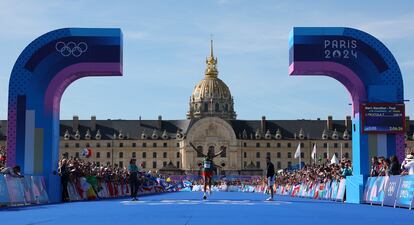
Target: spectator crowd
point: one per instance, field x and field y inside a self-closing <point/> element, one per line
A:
<point x="315" y="174"/>
<point x="381" y="166"/>
<point x="73" y="170"/>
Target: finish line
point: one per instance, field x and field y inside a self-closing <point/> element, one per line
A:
<point x="205" y="202"/>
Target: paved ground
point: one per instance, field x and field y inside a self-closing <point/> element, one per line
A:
<point x="187" y="208"/>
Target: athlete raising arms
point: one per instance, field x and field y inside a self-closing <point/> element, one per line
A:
<point x="208" y="166"/>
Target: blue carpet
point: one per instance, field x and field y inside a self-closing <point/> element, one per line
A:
<point x="187" y="208"/>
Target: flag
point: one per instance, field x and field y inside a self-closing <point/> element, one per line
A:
<point x="314" y="152"/>
<point x="297" y="153"/>
<point x="334" y="159"/>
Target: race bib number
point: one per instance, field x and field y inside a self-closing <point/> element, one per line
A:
<point x="207" y="165"/>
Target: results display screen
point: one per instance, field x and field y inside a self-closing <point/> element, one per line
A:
<point x="383" y="118"/>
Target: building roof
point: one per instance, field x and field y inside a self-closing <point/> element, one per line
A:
<point x="133" y="129"/>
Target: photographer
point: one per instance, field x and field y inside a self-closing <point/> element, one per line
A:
<point x="408" y="164"/>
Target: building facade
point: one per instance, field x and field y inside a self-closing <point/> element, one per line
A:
<point x="211" y="122"/>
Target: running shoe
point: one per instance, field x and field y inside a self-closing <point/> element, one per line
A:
<point x="269" y="199"/>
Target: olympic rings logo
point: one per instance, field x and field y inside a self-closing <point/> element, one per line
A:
<point x="71" y="48"/>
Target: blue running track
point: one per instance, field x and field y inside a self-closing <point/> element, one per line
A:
<point x="224" y="208"/>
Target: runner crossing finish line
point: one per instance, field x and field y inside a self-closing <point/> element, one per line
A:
<point x="208" y="167"/>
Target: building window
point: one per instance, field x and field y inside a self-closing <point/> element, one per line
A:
<point x="134" y="145"/>
<point x="66" y="145"/>
<point x="164" y="155"/>
<point x="336" y="154"/>
<point x="134" y="154"/>
<point x="226" y="107"/>
<point x="289" y="164"/>
<point x="245" y="154"/>
<point x="278" y="165"/>
<point x="121" y="164"/>
<point x="108" y="145"/>
<point x="278" y="145"/>
<point x="245" y="164"/>
<point x="200" y="151"/>
<point x="98" y="155"/>
<point x="144" y="155"/>
<point x="178" y="145"/>
<point x="154" y="155"/>
<point x="98" y="164"/>
<point x="178" y="154"/>
<point x="98" y="145"/>
<point x="346" y="155"/>
<point x="77" y="145"/>
<point x="87" y="145"/>
<point x="217" y="107"/>
<point x="257" y="154"/>
<point x="257" y="145"/>
<point x="335" y="145"/>
<point x="121" y="145"/>
<point x="346" y="145"/>
<point x="289" y="155"/>
<point x="178" y="164"/>
<point x="144" y="165"/>
<point x="77" y="155"/>
<point x="121" y="155"/>
<point x="244" y="144"/>
<point x="154" y="145"/>
<point x="325" y="145"/>
<point x="325" y="155"/>
<point x="278" y="155"/>
<point x="302" y="145"/>
<point x="258" y="164"/>
<point x="302" y="155"/>
<point x="154" y="165"/>
<point x="268" y="145"/>
<point x="289" y="145"/>
<point x="267" y="154"/>
<point x="108" y="155"/>
<point x="223" y="154"/>
<point x="164" y="145"/>
<point x="205" y="108"/>
<point x="144" y="144"/>
<point x="164" y="164"/>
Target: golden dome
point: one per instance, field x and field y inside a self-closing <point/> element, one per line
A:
<point x="211" y="96"/>
<point x="211" y="88"/>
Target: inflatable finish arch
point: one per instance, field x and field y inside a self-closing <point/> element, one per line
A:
<point x="43" y="71"/>
<point x="368" y="71"/>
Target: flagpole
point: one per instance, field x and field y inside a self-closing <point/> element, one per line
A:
<point x="341" y="152"/>
<point x="300" y="157"/>
<point x="327" y="150"/>
<point x="314" y="158"/>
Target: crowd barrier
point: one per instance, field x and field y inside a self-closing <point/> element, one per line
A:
<point x="22" y="191"/>
<point x="390" y="191"/>
<point x="227" y="188"/>
<point x="331" y="190"/>
<point x="82" y="189"/>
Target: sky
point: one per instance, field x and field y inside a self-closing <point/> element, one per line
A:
<point x="166" y="43"/>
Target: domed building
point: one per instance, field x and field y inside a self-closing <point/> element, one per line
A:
<point x="211" y="96"/>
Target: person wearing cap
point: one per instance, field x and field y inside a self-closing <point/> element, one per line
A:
<point x="408" y="164"/>
<point x="270" y="174"/>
